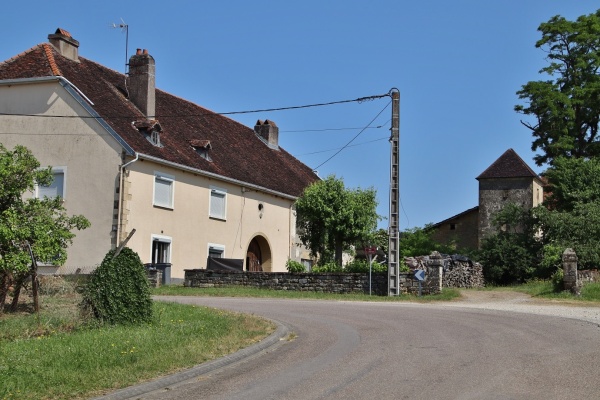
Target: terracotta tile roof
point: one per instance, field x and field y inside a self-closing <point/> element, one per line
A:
<point x="508" y="165"/>
<point x="237" y="153"/>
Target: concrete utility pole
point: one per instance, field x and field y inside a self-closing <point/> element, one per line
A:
<point x="394" y="222"/>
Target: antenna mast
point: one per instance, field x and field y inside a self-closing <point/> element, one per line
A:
<point x="124" y="28"/>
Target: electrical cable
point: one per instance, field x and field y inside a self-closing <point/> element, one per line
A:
<point x="358" y="100"/>
<point x="337" y="148"/>
<point x="357" y="135"/>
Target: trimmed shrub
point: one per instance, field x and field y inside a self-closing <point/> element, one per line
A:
<point x="327" y="268"/>
<point x="118" y="290"/>
<point x="294" y="266"/>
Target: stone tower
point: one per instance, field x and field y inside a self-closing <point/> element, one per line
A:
<point x="508" y="180"/>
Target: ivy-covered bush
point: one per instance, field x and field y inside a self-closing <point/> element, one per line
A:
<point x="118" y="290"/>
<point x="363" y="266"/>
<point x="327" y="268"/>
<point x="294" y="266"/>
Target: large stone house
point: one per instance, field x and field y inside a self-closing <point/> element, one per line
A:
<point x="192" y="183"/>
<point x="508" y="180"/>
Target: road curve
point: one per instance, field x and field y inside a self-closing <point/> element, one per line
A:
<point x="361" y="350"/>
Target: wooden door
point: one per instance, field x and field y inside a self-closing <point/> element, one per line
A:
<point x="253" y="258"/>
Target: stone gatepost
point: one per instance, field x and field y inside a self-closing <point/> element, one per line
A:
<point x="570" y="281"/>
<point x="434" y="273"/>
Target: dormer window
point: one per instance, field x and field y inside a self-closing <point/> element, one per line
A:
<point x="202" y="147"/>
<point x="154" y="137"/>
<point x="151" y="130"/>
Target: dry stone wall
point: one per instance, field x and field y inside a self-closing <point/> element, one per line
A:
<point x="457" y="271"/>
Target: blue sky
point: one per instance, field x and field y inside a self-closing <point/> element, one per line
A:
<point x="456" y="63"/>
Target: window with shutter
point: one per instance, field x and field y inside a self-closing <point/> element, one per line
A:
<point x="163" y="191"/>
<point x="218" y="203"/>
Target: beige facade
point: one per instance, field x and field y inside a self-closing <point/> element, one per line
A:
<point x="91" y="161"/>
<point x="189" y="230"/>
<point x="81" y="148"/>
<point x="191" y="186"/>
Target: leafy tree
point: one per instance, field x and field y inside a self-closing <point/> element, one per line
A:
<point x="118" y="290"/>
<point x="566" y="108"/>
<point x="42" y="223"/>
<point x="511" y="254"/>
<point x="572" y="181"/>
<point x="419" y="242"/>
<point x="331" y="217"/>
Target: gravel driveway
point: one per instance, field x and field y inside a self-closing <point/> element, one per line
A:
<point x="523" y="303"/>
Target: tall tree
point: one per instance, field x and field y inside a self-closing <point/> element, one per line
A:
<point x="331" y="217"/>
<point x="42" y="223"/>
<point x="566" y="108"/>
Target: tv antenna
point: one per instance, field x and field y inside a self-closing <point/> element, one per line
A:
<point x="124" y="28"/>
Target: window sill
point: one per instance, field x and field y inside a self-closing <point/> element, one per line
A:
<point x="224" y="219"/>
<point x="163" y="207"/>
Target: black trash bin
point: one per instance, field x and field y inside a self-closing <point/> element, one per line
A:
<point x="165" y="268"/>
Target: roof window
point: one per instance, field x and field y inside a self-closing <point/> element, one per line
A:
<point x="202" y="147"/>
<point x="151" y="130"/>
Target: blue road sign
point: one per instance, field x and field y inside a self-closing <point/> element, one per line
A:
<point x="420" y="274"/>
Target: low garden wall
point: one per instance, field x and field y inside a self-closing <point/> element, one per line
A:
<point x="321" y="282"/>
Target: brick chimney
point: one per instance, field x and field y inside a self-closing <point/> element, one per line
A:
<point x="65" y="44"/>
<point x="269" y="132"/>
<point x="141" y="82"/>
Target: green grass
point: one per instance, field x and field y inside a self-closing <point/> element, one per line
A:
<point x="57" y="358"/>
<point x="237" y="291"/>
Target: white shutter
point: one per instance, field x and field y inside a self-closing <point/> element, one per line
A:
<point x="217" y="204"/>
<point x="163" y="192"/>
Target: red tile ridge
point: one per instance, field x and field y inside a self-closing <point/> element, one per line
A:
<point x="51" y="60"/>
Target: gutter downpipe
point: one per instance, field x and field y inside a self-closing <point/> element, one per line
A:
<point x="122" y="195"/>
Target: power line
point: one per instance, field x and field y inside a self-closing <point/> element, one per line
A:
<point x="351" y="140"/>
<point x="358" y="100"/>
<point x="337" y="148"/>
<point x="333" y="129"/>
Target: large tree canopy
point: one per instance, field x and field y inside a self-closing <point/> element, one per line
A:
<point x="331" y="217"/>
<point x="566" y="108"/>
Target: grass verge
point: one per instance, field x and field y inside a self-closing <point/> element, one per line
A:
<point x="237" y="291"/>
<point x="52" y="359"/>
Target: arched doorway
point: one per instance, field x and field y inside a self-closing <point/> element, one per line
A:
<point x="258" y="256"/>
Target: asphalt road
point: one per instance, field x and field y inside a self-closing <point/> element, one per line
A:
<point x="352" y="350"/>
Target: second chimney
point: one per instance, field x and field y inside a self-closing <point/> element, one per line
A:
<point x="269" y="132"/>
<point x="142" y="82"/>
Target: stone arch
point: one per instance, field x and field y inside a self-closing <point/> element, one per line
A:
<point x="258" y="255"/>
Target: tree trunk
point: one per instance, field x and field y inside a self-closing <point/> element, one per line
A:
<point x="5" y="281"/>
<point x="19" y="282"/>
<point x="339" y="249"/>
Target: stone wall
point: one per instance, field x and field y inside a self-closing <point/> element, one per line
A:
<point x="325" y="283"/>
<point x="457" y="271"/>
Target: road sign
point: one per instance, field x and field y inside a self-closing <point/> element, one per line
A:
<point x="371" y="250"/>
<point x="420" y="274"/>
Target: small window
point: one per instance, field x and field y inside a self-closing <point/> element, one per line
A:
<point x="216" y="251"/>
<point x="56" y="187"/>
<point x="218" y="203"/>
<point x="163" y="190"/>
<point x="452" y="227"/>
